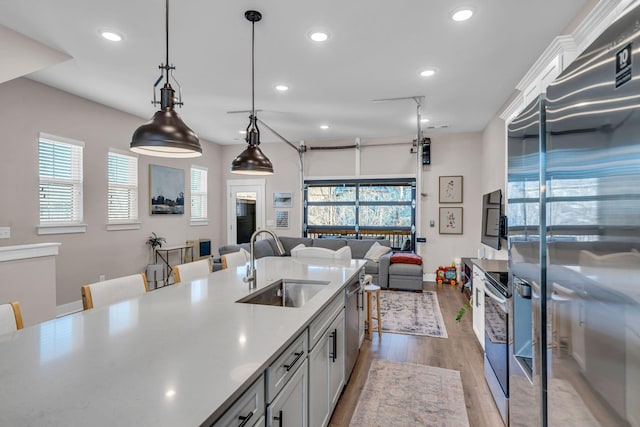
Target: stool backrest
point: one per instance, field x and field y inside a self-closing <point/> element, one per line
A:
<point x="10" y="317"/>
<point x="108" y="292"/>
<point x="191" y="270"/>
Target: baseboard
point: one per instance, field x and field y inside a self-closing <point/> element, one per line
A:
<point x="69" y="308"/>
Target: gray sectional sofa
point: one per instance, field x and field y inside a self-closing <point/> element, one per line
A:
<point x="378" y="270"/>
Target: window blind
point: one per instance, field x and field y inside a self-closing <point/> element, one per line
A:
<point x="198" y="193"/>
<point x="123" y="188"/>
<point x="60" y="170"/>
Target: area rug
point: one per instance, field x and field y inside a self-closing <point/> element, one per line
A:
<point x="406" y="394"/>
<point x="412" y="313"/>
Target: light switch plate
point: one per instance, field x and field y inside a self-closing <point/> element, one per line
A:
<point x="5" y="232"/>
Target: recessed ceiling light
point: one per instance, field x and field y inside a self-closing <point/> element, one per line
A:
<point x="242" y="132"/>
<point x="324" y="127"/>
<point x="428" y="72"/>
<point x="112" y="36"/>
<point x="281" y="87"/>
<point x="424" y="120"/>
<point x="463" y="14"/>
<point x="318" y="36"/>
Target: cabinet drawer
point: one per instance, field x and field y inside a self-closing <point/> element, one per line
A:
<point x="324" y="319"/>
<point x="279" y="372"/>
<point x="247" y="410"/>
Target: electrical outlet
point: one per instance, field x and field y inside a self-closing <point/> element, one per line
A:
<point x="101" y="278"/>
<point x="5" y="232"/>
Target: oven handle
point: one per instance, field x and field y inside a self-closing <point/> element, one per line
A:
<point x="492" y="295"/>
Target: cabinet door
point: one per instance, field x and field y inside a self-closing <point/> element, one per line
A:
<point x="248" y="408"/>
<point x="319" y="382"/>
<point x="336" y="359"/>
<point x="290" y="407"/>
<point x="361" y="317"/>
<point x="478" y="304"/>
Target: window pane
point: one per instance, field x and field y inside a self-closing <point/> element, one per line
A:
<point x="386" y="193"/>
<point x="385" y="216"/>
<point x="332" y="215"/>
<point x="123" y="188"/>
<point x="60" y="174"/>
<point x="341" y="193"/>
<point x="198" y="193"/>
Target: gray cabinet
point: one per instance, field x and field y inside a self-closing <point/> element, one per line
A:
<point x="248" y="409"/>
<point x="326" y="372"/>
<point x="289" y="408"/>
<point x="478" y="304"/>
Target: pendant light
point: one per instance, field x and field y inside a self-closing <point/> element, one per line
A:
<point x="166" y="135"/>
<point x="252" y="161"/>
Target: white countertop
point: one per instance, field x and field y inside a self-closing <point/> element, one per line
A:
<point x="175" y="356"/>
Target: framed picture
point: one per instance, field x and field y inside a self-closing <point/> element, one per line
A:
<point x="450" y="189"/>
<point x="166" y="189"/>
<point x="282" y="200"/>
<point x="282" y="219"/>
<point x="450" y="220"/>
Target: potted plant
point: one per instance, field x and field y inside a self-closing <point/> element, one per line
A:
<point x="154" y="241"/>
<point x="155" y="272"/>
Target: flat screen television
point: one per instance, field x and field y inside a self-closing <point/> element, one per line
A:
<point x="492" y="219"/>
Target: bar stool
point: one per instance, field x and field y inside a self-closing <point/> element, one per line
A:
<point x="372" y="291"/>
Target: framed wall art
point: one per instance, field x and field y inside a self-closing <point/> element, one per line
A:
<point x="166" y="189"/>
<point x="282" y="219"/>
<point x="450" y="189"/>
<point x="450" y="220"/>
<point x="282" y="200"/>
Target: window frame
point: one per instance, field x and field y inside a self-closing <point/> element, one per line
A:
<point x="358" y="231"/>
<point x="202" y="193"/>
<point x="133" y="222"/>
<point x="63" y="227"/>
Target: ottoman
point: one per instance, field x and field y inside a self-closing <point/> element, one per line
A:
<point x="405" y="276"/>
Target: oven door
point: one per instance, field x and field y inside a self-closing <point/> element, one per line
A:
<point x="496" y="323"/>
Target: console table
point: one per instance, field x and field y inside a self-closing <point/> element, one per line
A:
<point x="183" y="250"/>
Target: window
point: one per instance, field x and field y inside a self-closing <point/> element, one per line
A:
<point x="122" y="196"/>
<point x="361" y="209"/>
<point x="198" y="195"/>
<point x="60" y="171"/>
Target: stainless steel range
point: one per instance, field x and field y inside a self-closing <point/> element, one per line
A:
<point x="496" y="332"/>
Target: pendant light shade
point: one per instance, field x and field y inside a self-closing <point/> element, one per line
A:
<point x="166" y="135"/>
<point x="252" y="160"/>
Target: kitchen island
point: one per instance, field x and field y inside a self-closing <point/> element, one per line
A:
<point x="178" y="356"/>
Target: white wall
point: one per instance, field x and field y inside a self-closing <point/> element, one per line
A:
<point x="456" y="154"/>
<point x="494" y="166"/>
<point x="28" y="108"/>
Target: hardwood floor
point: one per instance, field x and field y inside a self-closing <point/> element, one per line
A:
<point x="461" y="352"/>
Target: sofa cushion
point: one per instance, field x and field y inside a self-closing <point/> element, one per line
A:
<point x="263" y="248"/>
<point x="406" y="258"/>
<point x="291" y="242"/>
<point x="314" y="252"/>
<point x="371" y="267"/>
<point x="405" y="270"/>
<point x="333" y="244"/>
<point x="376" y="251"/>
<point x="360" y="247"/>
<point x="227" y="249"/>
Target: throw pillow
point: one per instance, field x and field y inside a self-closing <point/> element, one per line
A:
<point x="376" y="251"/>
<point x="247" y="255"/>
<point x="406" y="258"/>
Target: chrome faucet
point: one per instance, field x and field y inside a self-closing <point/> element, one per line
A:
<point x="251" y="268"/>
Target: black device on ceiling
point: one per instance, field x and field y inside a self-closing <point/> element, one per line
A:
<point x="426" y="151"/>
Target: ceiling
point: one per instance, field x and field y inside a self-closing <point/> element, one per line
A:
<point x="376" y="49"/>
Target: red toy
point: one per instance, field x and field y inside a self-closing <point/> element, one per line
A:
<point x="446" y="274"/>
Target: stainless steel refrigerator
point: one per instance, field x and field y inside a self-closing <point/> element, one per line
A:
<point x="573" y="204"/>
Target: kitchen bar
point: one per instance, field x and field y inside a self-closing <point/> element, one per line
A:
<point x="177" y="356"/>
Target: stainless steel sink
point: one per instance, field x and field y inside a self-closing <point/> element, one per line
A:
<point x="286" y="293"/>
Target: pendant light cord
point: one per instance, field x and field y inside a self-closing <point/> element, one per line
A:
<point x="167" y="40"/>
<point x="253" y="78"/>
